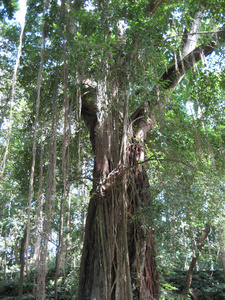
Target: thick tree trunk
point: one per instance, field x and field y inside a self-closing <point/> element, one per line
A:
<point x="119" y="256"/>
<point x="118" y="259"/>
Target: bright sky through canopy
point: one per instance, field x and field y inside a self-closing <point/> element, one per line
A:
<point x="20" y="14"/>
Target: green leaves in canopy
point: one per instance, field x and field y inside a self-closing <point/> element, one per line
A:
<point x="8" y="8"/>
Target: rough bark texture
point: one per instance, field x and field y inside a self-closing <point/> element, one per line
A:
<point x="118" y="258"/>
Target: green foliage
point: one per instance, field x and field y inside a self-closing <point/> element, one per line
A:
<point x="9" y="288"/>
<point x="8" y="8"/>
<point x="206" y="284"/>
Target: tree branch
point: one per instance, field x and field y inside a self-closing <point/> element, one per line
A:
<point x="89" y="111"/>
<point x="190" y="38"/>
<point x="174" y="74"/>
<point x="170" y="79"/>
<point x="153" y="6"/>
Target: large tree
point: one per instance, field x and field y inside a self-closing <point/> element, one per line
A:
<point x="118" y="259"/>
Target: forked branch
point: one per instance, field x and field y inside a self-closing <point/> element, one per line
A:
<point x="153" y="6"/>
<point x="171" y="78"/>
<point x="174" y="74"/>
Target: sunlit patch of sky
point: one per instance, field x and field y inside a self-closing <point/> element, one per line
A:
<point x="89" y="5"/>
<point x="190" y="108"/>
<point x="177" y="14"/>
<point x="215" y="62"/>
<point x="20" y="14"/>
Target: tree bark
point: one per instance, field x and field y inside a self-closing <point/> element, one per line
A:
<point x="119" y="256"/>
<point x="60" y="255"/>
<point x="118" y="259"/>
<point x="194" y="260"/>
<point x="222" y="249"/>
<point x="22" y="263"/>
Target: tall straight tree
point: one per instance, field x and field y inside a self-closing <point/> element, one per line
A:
<point x="118" y="260"/>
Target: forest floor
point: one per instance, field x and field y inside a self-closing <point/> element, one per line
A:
<point x="206" y="285"/>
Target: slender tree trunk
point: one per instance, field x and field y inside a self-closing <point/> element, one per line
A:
<point x="49" y="198"/>
<point x="60" y="255"/>
<point x="222" y="249"/>
<point x="184" y="245"/>
<point x="194" y="260"/>
<point x="22" y="263"/>
<point x="38" y="221"/>
<point x="47" y="216"/>
<point x="68" y="240"/>
<point x="34" y="147"/>
<point x="5" y="259"/>
<point x="19" y="52"/>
